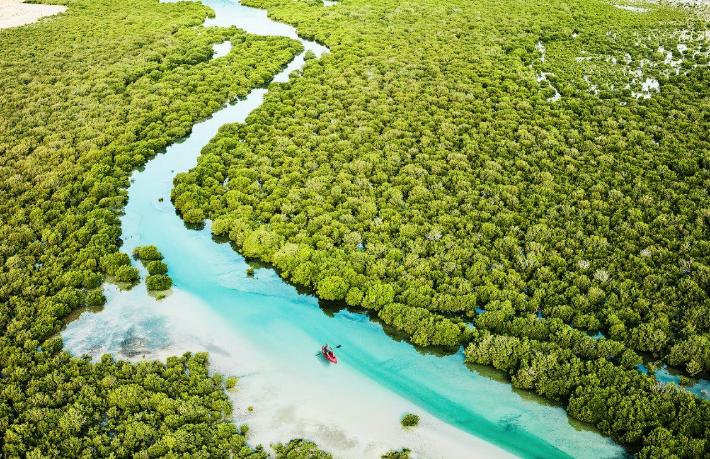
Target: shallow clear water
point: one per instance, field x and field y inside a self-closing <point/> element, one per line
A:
<point x="699" y="387"/>
<point x="221" y="49"/>
<point x="265" y="332"/>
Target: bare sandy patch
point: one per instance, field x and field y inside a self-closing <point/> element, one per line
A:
<point x="14" y="13"/>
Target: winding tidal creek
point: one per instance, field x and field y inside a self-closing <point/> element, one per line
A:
<point x="268" y="334"/>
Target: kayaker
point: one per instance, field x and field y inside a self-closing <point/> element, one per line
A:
<point x="329" y="354"/>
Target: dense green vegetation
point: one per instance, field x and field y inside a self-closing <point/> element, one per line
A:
<point x="87" y="97"/>
<point x="630" y="406"/>
<point x="146" y="253"/>
<point x="151" y="257"/>
<point x="120" y="409"/>
<point x="158" y="282"/>
<point x="300" y="449"/>
<point x="507" y="165"/>
<point x="410" y="420"/>
<point x="156" y="267"/>
<point x="399" y="454"/>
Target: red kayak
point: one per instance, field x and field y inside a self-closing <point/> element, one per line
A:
<point x="328" y="354"/>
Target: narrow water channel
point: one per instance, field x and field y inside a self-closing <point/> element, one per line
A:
<point x="268" y="334"/>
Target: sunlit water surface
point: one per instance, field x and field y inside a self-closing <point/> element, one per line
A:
<point x="264" y="331"/>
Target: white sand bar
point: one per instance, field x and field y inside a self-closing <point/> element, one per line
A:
<point x="287" y="402"/>
<point x="14" y="13"/>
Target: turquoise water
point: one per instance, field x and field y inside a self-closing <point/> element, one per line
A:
<point x="283" y="329"/>
<point x="699" y="387"/>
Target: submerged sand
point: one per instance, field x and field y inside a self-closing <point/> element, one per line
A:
<point x="14" y="13"/>
<point x="284" y="406"/>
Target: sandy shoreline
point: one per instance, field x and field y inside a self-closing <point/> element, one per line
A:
<point x="14" y="13"/>
<point x="285" y="405"/>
